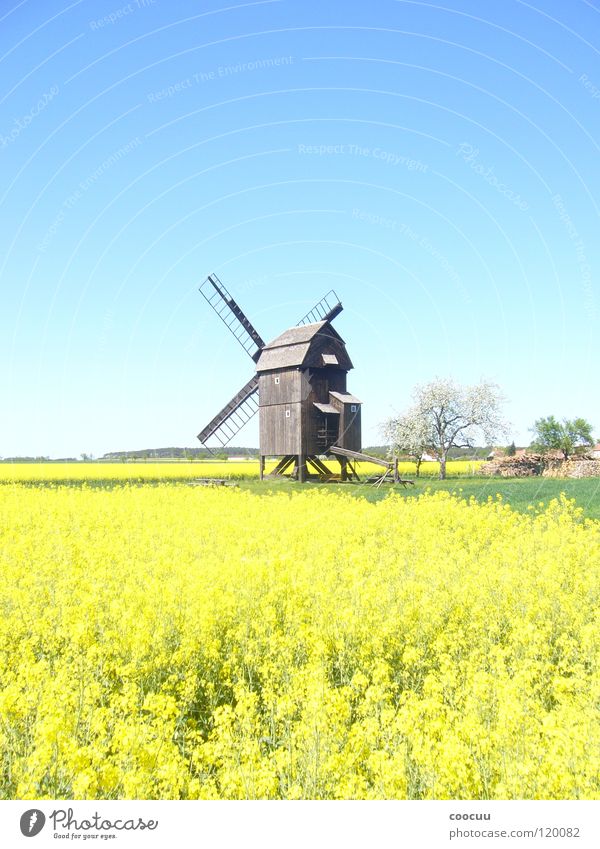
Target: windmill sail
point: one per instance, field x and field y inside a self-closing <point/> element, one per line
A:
<point x="326" y="310"/>
<point x="231" y="314"/>
<point x="234" y="415"/>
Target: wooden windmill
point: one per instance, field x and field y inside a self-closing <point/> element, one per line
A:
<point x="299" y="390"/>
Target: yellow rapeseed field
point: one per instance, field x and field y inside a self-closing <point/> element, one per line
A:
<point x="240" y="470"/>
<point x="177" y="642"/>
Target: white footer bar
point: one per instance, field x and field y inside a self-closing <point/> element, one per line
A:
<point x="262" y="825"/>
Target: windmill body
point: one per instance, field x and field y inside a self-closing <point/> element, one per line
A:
<point x="304" y="407"/>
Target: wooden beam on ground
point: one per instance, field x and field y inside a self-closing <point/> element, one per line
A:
<point x="357" y="455"/>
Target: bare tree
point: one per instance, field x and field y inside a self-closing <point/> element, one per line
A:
<point x="446" y="415"/>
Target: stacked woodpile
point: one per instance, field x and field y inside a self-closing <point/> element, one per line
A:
<point x="528" y="465"/>
<point x="576" y="467"/>
<point x="519" y="466"/>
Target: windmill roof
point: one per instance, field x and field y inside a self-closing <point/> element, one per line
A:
<point x="284" y="357"/>
<point x="296" y="335"/>
<point x="295" y="347"/>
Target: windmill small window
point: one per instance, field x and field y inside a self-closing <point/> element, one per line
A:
<point x="276" y="380"/>
<point x="288" y="413"/>
<point x="353" y="408"/>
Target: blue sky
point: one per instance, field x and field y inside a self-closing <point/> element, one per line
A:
<point x="436" y="165"/>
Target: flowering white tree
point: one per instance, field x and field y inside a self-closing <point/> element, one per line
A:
<point x="408" y="434"/>
<point x="446" y="415"/>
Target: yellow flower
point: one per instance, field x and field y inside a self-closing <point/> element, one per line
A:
<point x="167" y="641"/>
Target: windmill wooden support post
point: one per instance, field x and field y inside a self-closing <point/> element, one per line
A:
<point x="396" y="475"/>
<point x="262" y="466"/>
<point x="301" y="468"/>
<point x="344" y="468"/>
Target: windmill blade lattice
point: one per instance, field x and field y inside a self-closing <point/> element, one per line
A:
<point x="326" y="310"/>
<point x="234" y="415"/>
<point x="213" y="291"/>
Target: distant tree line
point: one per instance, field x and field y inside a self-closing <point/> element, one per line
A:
<point x="174" y="453"/>
<point x="145" y="455"/>
<point x="37" y="460"/>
